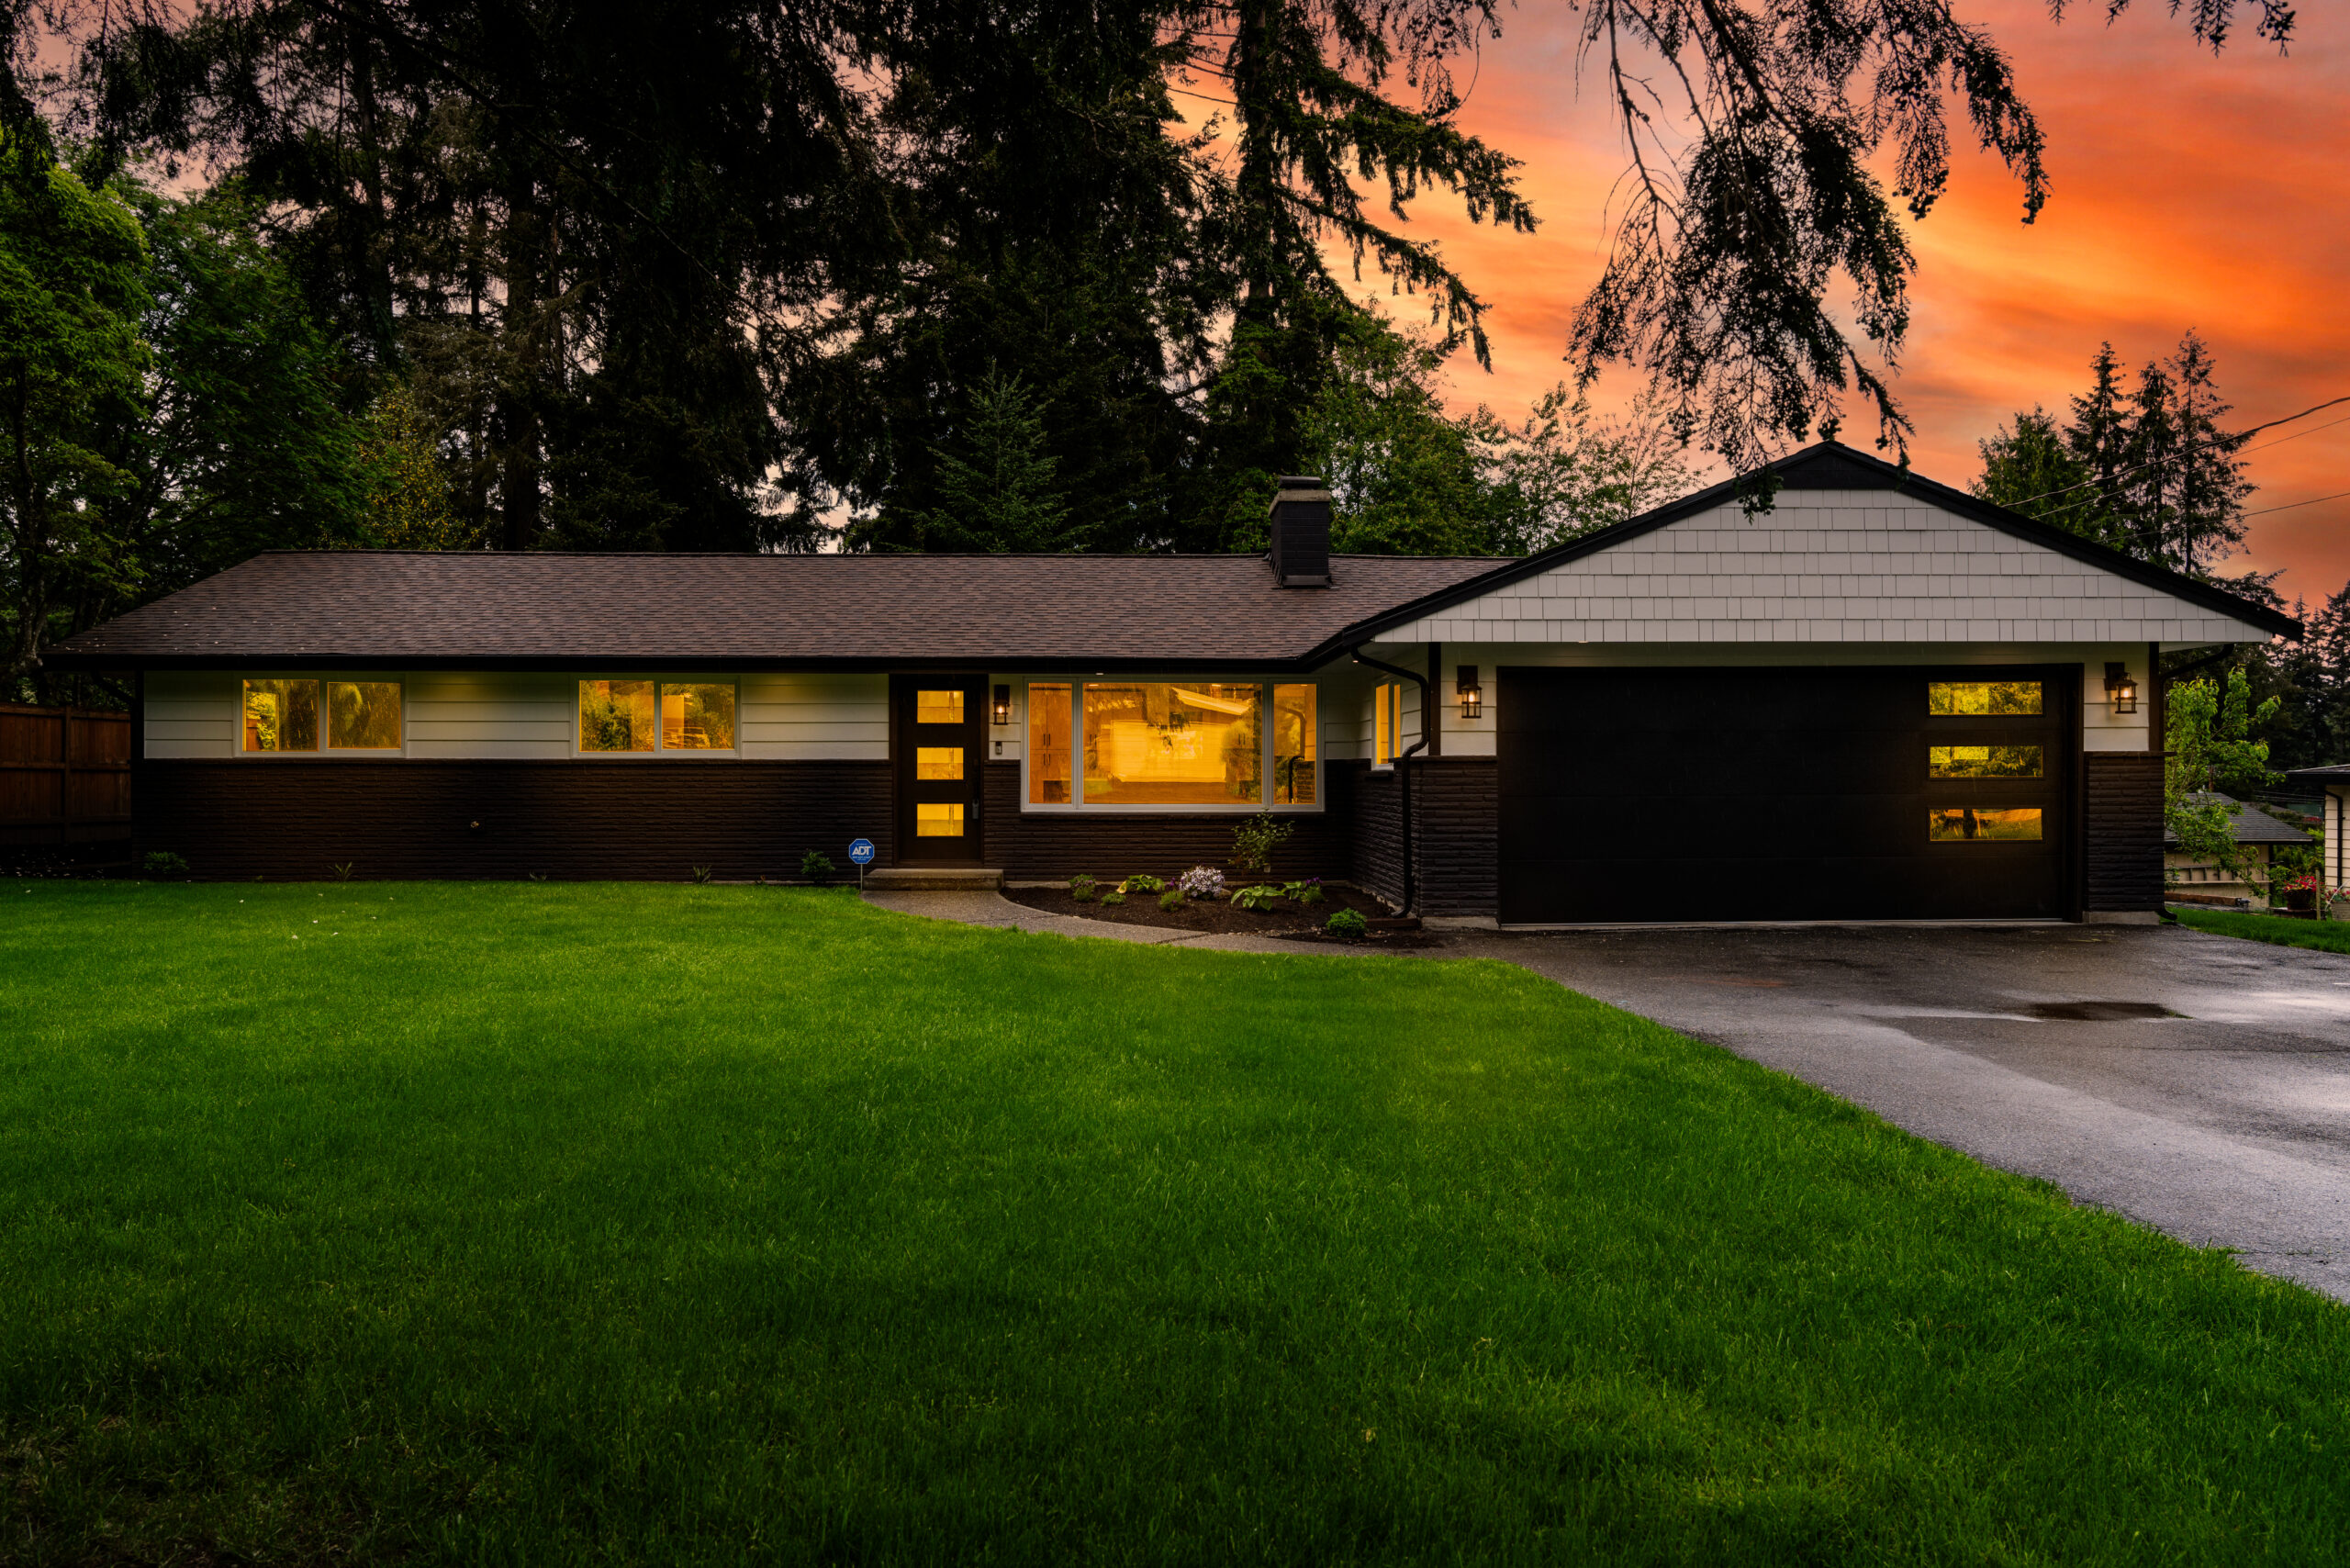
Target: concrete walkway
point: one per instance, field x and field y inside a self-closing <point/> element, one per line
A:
<point x="2198" y="1085"/>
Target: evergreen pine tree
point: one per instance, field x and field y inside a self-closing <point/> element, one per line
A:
<point x="998" y="485"/>
<point x="2205" y="489"/>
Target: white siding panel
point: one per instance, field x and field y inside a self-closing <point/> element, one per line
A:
<point x="1819" y="569"/>
<point x="815" y="717"/>
<point x="191" y="715"/>
<point x="490" y="716"/>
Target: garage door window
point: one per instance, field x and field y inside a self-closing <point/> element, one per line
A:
<point x="1983" y="762"/>
<point x="1966" y="698"/>
<point x="1984" y="825"/>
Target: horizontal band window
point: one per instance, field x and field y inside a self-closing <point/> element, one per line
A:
<point x="1963" y="698"/>
<point x="1983" y="824"/>
<point x="1983" y="762"/>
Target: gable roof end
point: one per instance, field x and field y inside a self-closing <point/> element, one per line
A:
<point x="1832" y="465"/>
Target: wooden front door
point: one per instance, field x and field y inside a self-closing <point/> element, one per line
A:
<point x="939" y="734"/>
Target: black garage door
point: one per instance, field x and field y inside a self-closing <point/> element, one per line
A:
<point x="1785" y="794"/>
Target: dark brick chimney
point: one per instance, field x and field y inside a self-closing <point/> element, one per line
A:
<point x="1301" y="529"/>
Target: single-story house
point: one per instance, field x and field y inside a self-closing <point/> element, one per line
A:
<point x="1883" y="699"/>
<point x="2255" y="829"/>
<point x="2334" y="822"/>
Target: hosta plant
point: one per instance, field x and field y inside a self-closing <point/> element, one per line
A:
<point x="1263" y="896"/>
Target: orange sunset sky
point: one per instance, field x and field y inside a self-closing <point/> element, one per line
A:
<point x="2189" y="191"/>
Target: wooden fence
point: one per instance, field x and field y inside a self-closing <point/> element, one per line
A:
<point x="64" y="775"/>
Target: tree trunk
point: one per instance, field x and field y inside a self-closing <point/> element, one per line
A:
<point x="517" y="413"/>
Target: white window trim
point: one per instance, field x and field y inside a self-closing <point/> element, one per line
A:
<point x="580" y="754"/>
<point x="326" y="717"/>
<point x="1077" y="805"/>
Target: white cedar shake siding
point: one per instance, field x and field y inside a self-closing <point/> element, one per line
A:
<point x="498" y="715"/>
<point x="1826" y="577"/>
<point x="1822" y="568"/>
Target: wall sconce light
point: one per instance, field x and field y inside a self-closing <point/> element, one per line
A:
<point x="2119" y="689"/>
<point x="1000" y="709"/>
<point x="1473" y="696"/>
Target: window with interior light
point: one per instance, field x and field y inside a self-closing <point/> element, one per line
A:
<point x="300" y="714"/>
<point x="641" y="717"/>
<point x="1168" y="745"/>
<point x="1387" y="724"/>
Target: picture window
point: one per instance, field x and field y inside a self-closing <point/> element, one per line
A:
<point x="1205" y="745"/>
<point x="618" y="717"/>
<point x="291" y="714"/>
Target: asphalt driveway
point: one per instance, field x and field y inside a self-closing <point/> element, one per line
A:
<point x="2200" y="1084"/>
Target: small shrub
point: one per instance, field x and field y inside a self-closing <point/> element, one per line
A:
<point x="164" y="863"/>
<point x="701" y="874"/>
<point x="1263" y="896"/>
<point x="1171" y="899"/>
<point x="1143" y="885"/>
<point x="1254" y="841"/>
<point x="1307" y="892"/>
<point x="1201" y="882"/>
<point x="1348" y="923"/>
<point x="1114" y="896"/>
<point x="342" y="870"/>
<point x="816" y="867"/>
<point x="1080" y="888"/>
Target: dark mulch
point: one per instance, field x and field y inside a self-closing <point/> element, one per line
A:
<point x="1198" y="914"/>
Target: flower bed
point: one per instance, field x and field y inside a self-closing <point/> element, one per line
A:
<point x="1203" y="914"/>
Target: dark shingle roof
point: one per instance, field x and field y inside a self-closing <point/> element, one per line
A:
<point x="352" y="608"/>
<point x="2332" y="773"/>
<point x="2252" y="825"/>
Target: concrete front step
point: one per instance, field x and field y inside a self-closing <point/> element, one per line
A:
<point x="933" y="879"/>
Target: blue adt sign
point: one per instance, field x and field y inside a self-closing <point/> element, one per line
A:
<point x="861" y="851"/>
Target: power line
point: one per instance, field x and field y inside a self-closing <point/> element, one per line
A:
<point x="2295" y="506"/>
<point x="2157" y="462"/>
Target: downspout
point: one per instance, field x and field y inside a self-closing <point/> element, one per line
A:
<point x="1402" y="774"/>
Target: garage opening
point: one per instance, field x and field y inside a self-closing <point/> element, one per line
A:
<point x="1655" y="795"/>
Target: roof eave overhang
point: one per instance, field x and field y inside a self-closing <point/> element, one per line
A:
<point x="1066" y="665"/>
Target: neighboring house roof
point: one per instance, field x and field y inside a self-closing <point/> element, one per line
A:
<point x="353" y="608"/>
<point x="1788" y="575"/>
<point x="2251" y="824"/>
<point x="2334" y="773"/>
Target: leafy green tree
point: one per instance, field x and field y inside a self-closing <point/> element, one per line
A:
<point x="244" y="445"/>
<point x="1562" y="471"/>
<point x="73" y="281"/>
<point x="408" y="504"/>
<point x="2209" y="733"/>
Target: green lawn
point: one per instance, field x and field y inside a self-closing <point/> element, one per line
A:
<point x="543" y="1224"/>
<point x="2330" y="937"/>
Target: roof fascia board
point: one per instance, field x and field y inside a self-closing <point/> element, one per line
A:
<point x="1904" y="482"/>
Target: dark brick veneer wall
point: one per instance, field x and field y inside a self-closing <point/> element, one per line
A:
<point x="1045" y="848"/>
<point x="562" y="819"/>
<point x="1456" y="806"/>
<point x="1456" y="835"/>
<point x="2121" y="849"/>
